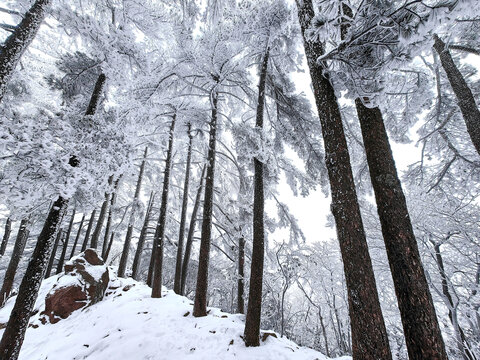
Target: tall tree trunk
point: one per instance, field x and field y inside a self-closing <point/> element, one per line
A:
<point x="462" y="344"/>
<point x="191" y="232"/>
<point x="89" y="230"/>
<point x="6" y="236"/>
<point x="54" y="252"/>
<point x="414" y="299"/>
<point x="14" y="46"/>
<point x="14" y="334"/>
<point x="200" y="304"/>
<point x="369" y="335"/>
<point x="183" y="217"/>
<point x="17" y="252"/>
<point x="65" y="243"/>
<point x="79" y="232"/>
<point x="106" y="237"/>
<point x="101" y="218"/>
<point x="109" y="247"/>
<point x="158" y="240"/>
<point x="137" y="260"/>
<point x="254" y="310"/>
<point x="241" y="245"/>
<point x="126" y="246"/>
<point x="465" y="98"/>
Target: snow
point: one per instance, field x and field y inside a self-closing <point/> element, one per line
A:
<point x="129" y="324"/>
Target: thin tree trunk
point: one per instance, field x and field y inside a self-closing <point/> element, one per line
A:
<point x="65" y="244"/>
<point x="126" y="246"/>
<point x="191" y="232"/>
<point x="17" y="252"/>
<point x="6" y="236"/>
<point x="54" y="252"/>
<point x="14" y="334"/>
<point x="14" y="46"/>
<point x="463" y="345"/>
<point x="200" y="304"/>
<point x="137" y="260"/>
<point x="254" y="310"/>
<point x="241" y="276"/>
<point x="78" y="236"/>
<point x="158" y="240"/>
<point x="465" y="98"/>
<point x="113" y="198"/>
<point x="414" y="299"/>
<point x="89" y="230"/>
<point x="109" y="247"/>
<point x="369" y="335"/>
<point x="183" y="217"/>
<point x="101" y="218"/>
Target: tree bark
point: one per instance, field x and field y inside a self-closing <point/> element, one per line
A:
<point x="254" y="310"/>
<point x="369" y="335"/>
<point x="6" y="236"/>
<point x="465" y="98"/>
<point x="128" y="238"/>
<point x="78" y="236"/>
<point x="101" y="218"/>
<point x="183" y="217"/>
<point x="414" y="299"/>
<point x="17" y="252"/>
<point x="54" y="252"/>
<point x="158" y="239"/>
<point x="65" y="244"/>
<point x="113" y="198"/>
<point x="89" y="230"/>
<point x="14" y="334"/>
<point x="15" y="45"/>
<point x="137" y="261"/>
<point x="200" y="303"/>
<point x="191" y="232"/>
<point x="109" y="247"/>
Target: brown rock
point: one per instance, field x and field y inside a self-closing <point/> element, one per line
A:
<point x="84" y="283"/>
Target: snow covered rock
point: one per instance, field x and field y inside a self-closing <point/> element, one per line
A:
<point x="84" y="283"/>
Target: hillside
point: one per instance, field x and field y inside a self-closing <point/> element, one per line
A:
<point x="129" y="324"/>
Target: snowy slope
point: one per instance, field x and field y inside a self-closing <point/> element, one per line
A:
<point x="131" y="325"/>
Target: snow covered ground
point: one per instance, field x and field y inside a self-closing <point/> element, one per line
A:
<point x="129" y="324"/>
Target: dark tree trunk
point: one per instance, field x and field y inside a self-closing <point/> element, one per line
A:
<point x="14" y="334"/>
<point x="200" y="304"/>
<point x="241" y="275"/>
<point x="54" y="252"/>
<point x="137" y="261"/>
<point x="126" y="246"/>
<point x="254" y="310"/>
<point x="423" y="338"/>
<point x="65" y="244"/>
<point x="14" y="46"/>
<point x="158" y="239"/>
<point x="97" y="93"/>
<point x="89" y="230"/>
<point x="109" y="247"/>
<point x="6" y="236"/>
<point x="463" y="345"/>
<point x="78" y="236"/>
<point x="183" y="217"/>
<point x="101" y="218"/>
<point x="113" y="198"/>
<point x="191" y="232"/>
<point x="465" y="98"/>
<point x="17" y="252"/>
<point x="369" y="335"/>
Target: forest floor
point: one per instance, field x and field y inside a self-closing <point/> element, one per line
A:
<point x="129" y="324"/>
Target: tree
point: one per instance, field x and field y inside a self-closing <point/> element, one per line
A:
<point x="6" y="236"/>
<point x="365" y="312"/>
<point x="66" y="240"/>
<point x="16" y="44"/>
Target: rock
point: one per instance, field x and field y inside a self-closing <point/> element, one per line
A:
<point x="265" y="335"/>
<point x="83" y="284"/>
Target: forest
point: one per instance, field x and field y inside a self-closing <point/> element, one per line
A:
<point x="311" y="165"/>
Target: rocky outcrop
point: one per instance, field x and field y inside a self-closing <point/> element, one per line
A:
<point x="83" y="283"/>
